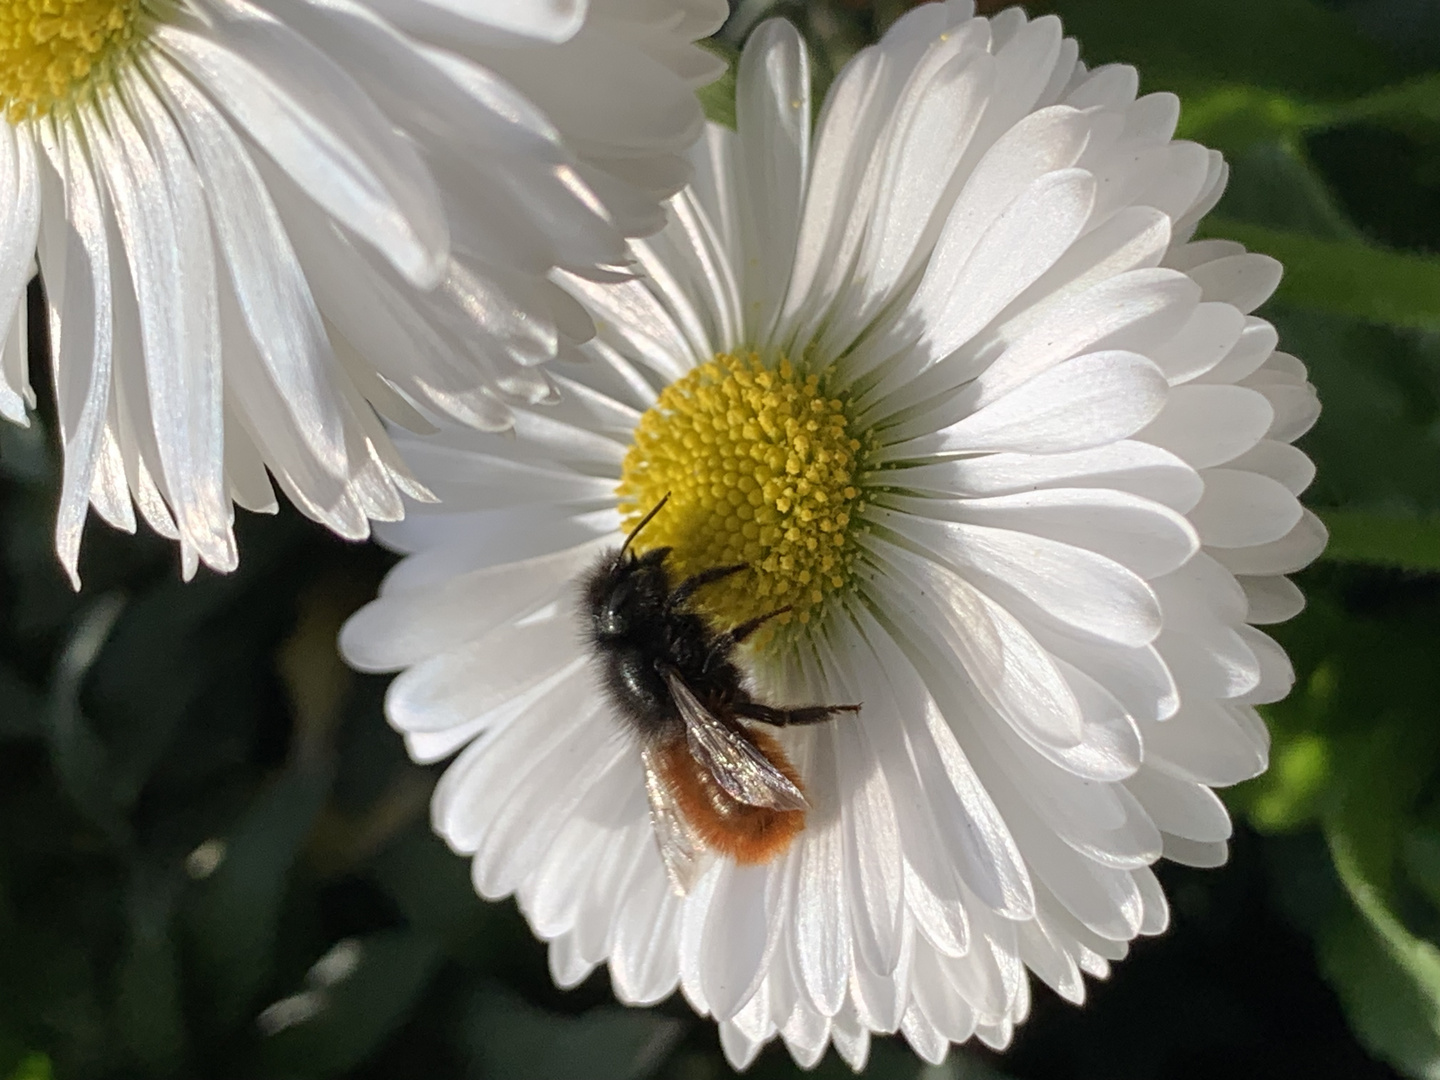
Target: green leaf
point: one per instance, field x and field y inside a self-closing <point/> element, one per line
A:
<point x="1288" y="795"/>
<point x="234" y="918"/>
<point x="1413" y="100"/>
<point x="1377" y="445"/>
<point x="512" y="1038"/>
<point x="1366" y="753"/>
<point x="1285" y="45"/>
<point x="1231" y="116"/>
<point x="33" y="1067"/>
<point x="1382" y="539"/>
<point x="718" y="97"/>
<point x="1274" y="183"/>
<point x="1349" y="277"/>
<point x="354" y="997"/>
<point x="1388" y="979"/>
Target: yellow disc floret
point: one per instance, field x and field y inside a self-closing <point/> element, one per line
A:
<point x="54" y="52"/>
<point x="760" y="466"/>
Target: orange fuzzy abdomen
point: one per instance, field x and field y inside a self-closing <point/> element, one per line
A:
<point x="747" y="834"/>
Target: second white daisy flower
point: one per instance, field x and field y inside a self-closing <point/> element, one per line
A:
<point x="950" y="379"/>
<point x="258" y="224"/>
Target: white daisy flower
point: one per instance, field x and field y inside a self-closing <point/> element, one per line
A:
<point x="261" y="222"/>
<point x="950" y="379"/>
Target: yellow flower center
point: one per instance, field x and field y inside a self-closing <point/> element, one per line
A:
<point x="760" y="465"/>
<point x="54" y="52"/>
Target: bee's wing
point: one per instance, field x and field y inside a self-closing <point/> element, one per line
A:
<point x="735" y="762"/>
<point x="678" y="848"/>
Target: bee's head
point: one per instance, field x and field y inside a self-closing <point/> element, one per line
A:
<point x="622" y="590"/>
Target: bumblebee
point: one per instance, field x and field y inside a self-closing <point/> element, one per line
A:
<point x="714" y="782"/>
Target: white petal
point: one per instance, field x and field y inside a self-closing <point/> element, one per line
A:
<point x="320" y="127"/>
<point x="1254" y="346"/>
<point x="1134" y="467"/>
<point x="468" y="801"/>
<point x="1244" y="281"/>
<point x="1277" y="675"/>
<point x="1293" y="551"/>
<point x="1135" y="311"/>
<point x="977" y="839"/>
<point x="645" y="965"/>
<point x="742" y="923"/>
<point x="1148" y="538"/>
<point x="873" y="855"/>
<point x="927" y="1042"/>
<point x="1279" y="461"/>
<point x="1029" y="574"/>
<point x="1181" y="807"/>
<point x="274" y="297"/>
<point x="404" y="628"/>
<point x="463" y="685"/>
<point x="75" y="262"/>
<point x="1206" y="744"/>
<point x="159" y="209"/>
<point x="1192" y="853"/>
<point x="772" y="112"/>
<point x="740" y="1050"/>
<point x="19" y="231"/>
<point x="1243" y="509"/>
<point x="1114" y="85"/>
<point x="542" y="20"/>
<point x="822" y="940"/>
<point x="971" y="280"/>
<point x="15" y="368"/>
<point x="108" y="492"/>
<point x="844" y="184"/>
<point x="1272" y="599"/>
<point x="1210" y="425"/>
<point x="941" y="106"/>
<point x="1205" y="340"/>
<point x="1006" y="665"/>
<point x="1089" y="401"/>
<point x="1296" y="410"/>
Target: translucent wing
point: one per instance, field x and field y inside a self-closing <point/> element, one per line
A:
<point x="678" y="847"/>
<point x="735" y="762"/>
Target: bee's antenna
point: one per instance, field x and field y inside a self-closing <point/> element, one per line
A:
<point x="643" y="522"/>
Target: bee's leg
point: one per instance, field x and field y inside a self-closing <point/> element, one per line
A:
<point x="804" y="714"/>
<point x="724" y="644"/>
<point x="687" y="588"/>
<point x="739" y="633"/>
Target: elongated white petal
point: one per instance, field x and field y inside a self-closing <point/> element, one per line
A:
<point x="19" y="230"/>
<point x="267" y="280"/>
<point x="319" y="126"/>
<point x="75" y="259"/>
<point x="772" y="106"/>
<point x="174" y="281"/>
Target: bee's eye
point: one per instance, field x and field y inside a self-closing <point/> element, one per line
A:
<point x="611" y="619"/>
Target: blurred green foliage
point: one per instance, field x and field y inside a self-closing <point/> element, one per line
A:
<point x="214" y="856"/>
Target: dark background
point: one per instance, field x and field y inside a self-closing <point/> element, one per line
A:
<point x="215" y="859"/>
